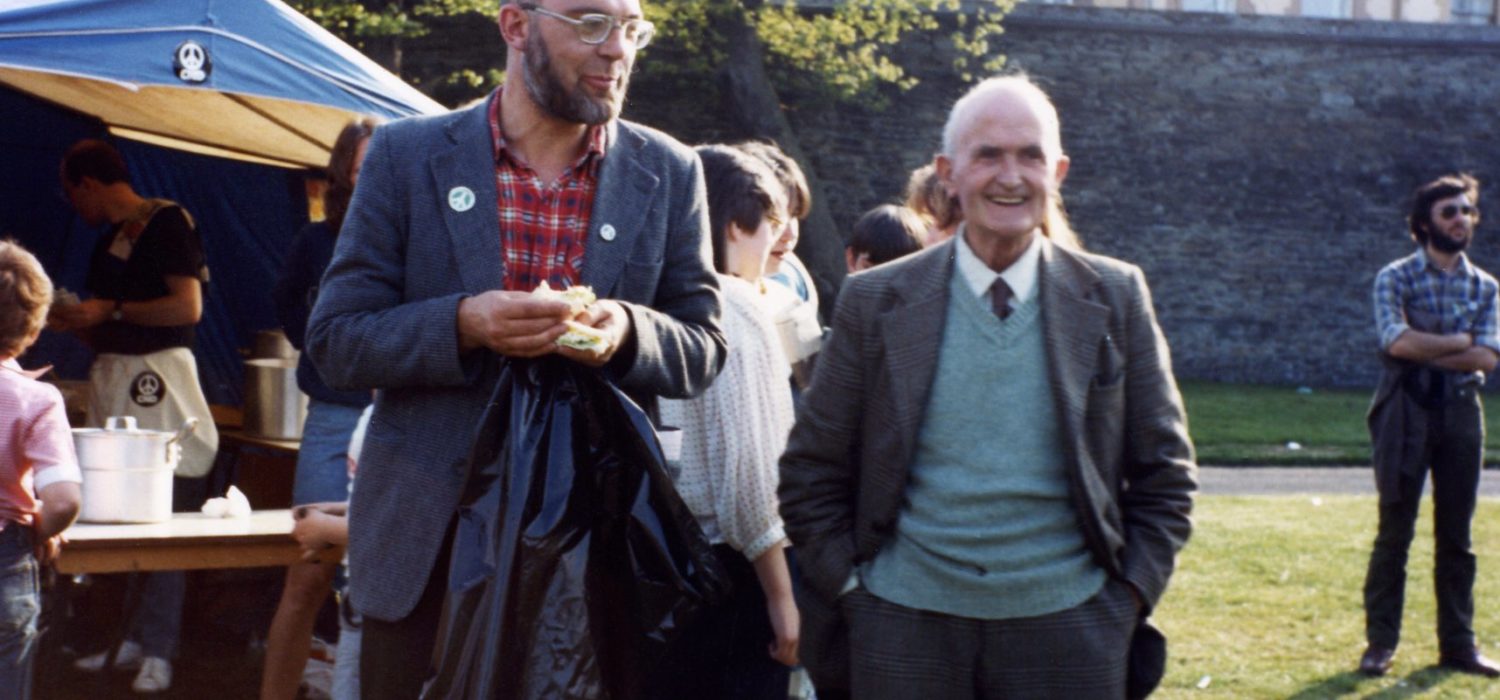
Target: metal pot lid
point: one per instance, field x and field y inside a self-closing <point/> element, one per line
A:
<point x="136" y="432"/>
<point x="125" y="426"/>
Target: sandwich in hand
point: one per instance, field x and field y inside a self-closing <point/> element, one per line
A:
<point x="581" y="337"/>
<point x="578" y="299"/>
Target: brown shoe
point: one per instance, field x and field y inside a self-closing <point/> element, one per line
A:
<point x="1376" y="661"/>
<point x="1470" y="662"/>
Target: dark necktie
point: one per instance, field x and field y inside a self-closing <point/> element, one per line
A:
<point x="1000" y="298"/>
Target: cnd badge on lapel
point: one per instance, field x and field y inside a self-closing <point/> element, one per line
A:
<point x="461" y="199"/>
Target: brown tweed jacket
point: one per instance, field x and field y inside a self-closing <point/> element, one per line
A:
<point x="1129" y="460"/>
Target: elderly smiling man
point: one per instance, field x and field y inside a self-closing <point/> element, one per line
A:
<point x="455" y="219"/>
<point x="991" y="476"/>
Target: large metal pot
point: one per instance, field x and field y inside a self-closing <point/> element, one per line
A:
<point x="274" y="406"/>
<point x="127" y="471"/>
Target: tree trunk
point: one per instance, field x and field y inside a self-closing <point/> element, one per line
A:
<point x="755" y="108"/>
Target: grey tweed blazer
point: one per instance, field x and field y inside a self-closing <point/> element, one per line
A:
<point x="1130" y="463"/>
<point x="386" y="315"/>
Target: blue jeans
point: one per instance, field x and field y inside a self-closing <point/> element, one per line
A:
<point x="346" y="657"/>
<point x="20" y="605"/>
<point x="322" y="461"/>
<point x="157" y="622"/>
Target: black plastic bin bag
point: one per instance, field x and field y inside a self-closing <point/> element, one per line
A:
<point x="574" y="559"/>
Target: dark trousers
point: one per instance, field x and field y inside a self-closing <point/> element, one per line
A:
<point x="724" y="653"/>
<point x="1455" y="454"/>
<point x="899" y="653"/>
<point x="395" y="658"/>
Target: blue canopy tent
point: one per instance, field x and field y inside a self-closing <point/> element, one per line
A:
<point x="220" y="105"/>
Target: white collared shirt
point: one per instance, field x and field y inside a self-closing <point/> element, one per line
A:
<point x="1020" y="276"/>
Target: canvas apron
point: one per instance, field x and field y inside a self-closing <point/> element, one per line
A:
<point x="161" y="390"/>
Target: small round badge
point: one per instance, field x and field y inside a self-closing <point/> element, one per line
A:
<point x="147" y="389"/>
<point x="607" y="232"/>
<point x="461" y="198"/>
<point x="191" y="63"/>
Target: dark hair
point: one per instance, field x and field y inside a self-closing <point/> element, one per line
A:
<point x="1419" y="221"/>
<point x="742" y="191"/>
<point x="341" y="167"/>
<point x="788" y="173"/>
<point x="96" y="159"/>
<point x="25" y="296"/>
<point x="887" y="232"/>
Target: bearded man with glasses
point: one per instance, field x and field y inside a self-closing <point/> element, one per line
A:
<point x="1436" y="315"/>
<point x="456" y="218"/>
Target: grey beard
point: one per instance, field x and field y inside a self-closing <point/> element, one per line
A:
<point x="549" y="94"/>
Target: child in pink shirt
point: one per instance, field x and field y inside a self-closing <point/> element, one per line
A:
<point x="39" y="474"/>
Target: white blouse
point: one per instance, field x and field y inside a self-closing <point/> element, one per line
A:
<point x="733" y="435"/>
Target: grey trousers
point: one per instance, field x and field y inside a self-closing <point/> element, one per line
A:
<point x="901" y="653"/>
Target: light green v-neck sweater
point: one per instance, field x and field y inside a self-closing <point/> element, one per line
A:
<point x="987" y="530"/>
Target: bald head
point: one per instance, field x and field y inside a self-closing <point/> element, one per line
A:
<point x="1002" y="161"/>
<point x="1004" y="90"/>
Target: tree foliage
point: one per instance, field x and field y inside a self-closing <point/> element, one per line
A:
<point x="843" y="49"/>
<point x="360" y="21"/>
<point x="386" y="30"/>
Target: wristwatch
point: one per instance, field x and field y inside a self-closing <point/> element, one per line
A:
<point x="119" y="313"/>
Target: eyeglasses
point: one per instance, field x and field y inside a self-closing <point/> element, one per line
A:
<point x="596" y="28"/>
<point x="1453" y="210"/>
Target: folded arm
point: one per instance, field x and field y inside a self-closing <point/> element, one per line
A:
<point x="1472" y="349"/>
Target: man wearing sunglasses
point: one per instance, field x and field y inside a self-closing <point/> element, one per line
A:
<point x="1436" y="315"/>
<point x="455" y="220"/>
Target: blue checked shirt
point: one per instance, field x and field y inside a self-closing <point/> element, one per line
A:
<point x="1412" y="293"/>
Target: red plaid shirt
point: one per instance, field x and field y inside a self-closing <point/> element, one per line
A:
<point x="543" y="226"/>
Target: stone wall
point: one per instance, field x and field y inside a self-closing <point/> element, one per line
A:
<point x="1257" y="168"/>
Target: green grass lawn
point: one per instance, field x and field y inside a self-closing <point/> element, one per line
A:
<point x="1266" y="603"/>
<point x="1249" y="424"/>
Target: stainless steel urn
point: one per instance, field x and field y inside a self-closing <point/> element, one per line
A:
<point x="274" y="406"/>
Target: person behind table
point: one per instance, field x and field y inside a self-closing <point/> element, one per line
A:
<point x="458" y="218"/>
<point x="731" y="438"/>
<point x="926" y="195"/>
<point x="883" y="234"/>
<point x="320" y="526"/>
<point x="794" y="303"/>
<point x="322" y="474"/>
<point x="39" y="474"/>
<point x="146" y="278"/>
<point x="1436" y="313"/>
